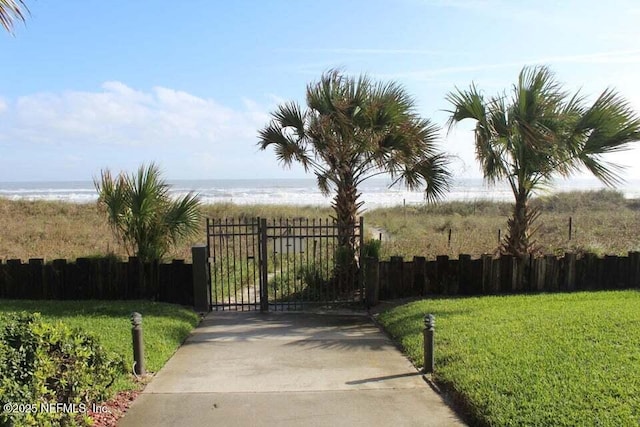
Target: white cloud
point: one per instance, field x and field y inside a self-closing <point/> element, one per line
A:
<point x="119" y="125"/>
<point x="123" y="116"/>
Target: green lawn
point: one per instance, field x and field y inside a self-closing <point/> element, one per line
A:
<point x="544" y="360"/>
<point x="165" y="326"/>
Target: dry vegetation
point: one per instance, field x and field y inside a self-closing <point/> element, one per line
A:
<point x="53" y="230"/>
<point x="603" y="222"/>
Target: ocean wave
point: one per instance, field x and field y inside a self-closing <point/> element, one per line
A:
<point x="293" y="192"/>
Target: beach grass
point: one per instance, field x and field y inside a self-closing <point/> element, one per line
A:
<point x="603" y="222"/>
<point x="561" y="359"/>
<point x="51" y="230"/>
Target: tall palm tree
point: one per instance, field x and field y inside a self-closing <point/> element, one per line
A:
<point x="142" y="215"/>
<point x="542" y="131"/>
<point x="352" y="130"/>
<point x="11" y="11"/>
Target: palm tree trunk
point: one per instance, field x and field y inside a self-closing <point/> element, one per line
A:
<point x="518" y="241"/>
<point x="345" y="205"/>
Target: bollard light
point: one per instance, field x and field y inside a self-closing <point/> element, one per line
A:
<point x="429" y="329"/>
<point x="138" y="344"/>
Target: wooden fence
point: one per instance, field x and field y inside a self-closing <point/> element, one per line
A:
<point x="398" y="278"/>
<point x="100" y="278"/>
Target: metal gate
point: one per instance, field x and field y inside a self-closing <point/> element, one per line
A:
<point x="283" y="264"/>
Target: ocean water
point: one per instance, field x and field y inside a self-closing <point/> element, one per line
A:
<point x="375" y="193"/>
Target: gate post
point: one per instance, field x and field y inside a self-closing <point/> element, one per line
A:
<point x="263" y="264"/>
<point x="201" y="288"/>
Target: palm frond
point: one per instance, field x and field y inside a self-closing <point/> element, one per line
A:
<point x="12" y="11"/>
<point x="608" y="173"/>
<point x="324" y="179"/>
<point x="542" y="132"/>
<point x="286" y="147"/>
<point x="112" y="198"/>
<point x="611" y="123"/>
<point x="432" y="173"/>
<point x="182" y="217"/>
<point x="141" y="213"/>
<point x="355" y="129"/>
<point x="290" y="115"/>
<point x="467" y="104"/>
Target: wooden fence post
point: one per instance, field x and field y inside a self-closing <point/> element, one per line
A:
<point x="551" y="273"/>
<point x="494" y="283"/>
<point x="464" y="274"/>
<point x="519" y="266"/>
<point x="201" y="288"/>
<point x="82" y="286"/>
<point x="505" y="282"/>
<point x="634" y="269"/>
<point x="590" y="272"/>
<point x="430" y="281"/>
<point x="133" y="278"/>
<point x="486" y="274"/>
<point x="372" y="281"/>
<point x="35" y="284"/>
<point x="181" y="280"/>
<point x="395" y="275"/>
<point x="475" y="287"/>
<point x="541" y="268"/>
<point x="610" y="272"/>
<point x="569" y="271"/>
<point x="408" y="279"/>
<point x="58" y="282"/>
<point x="442" y="274"/>
<point x="2" y="281"/>
<point x="383" y="280"/>
<point x="14" y="278"/>
<point x="419" y="275"/>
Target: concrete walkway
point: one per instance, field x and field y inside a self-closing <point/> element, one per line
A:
<point x="286" y="369"/>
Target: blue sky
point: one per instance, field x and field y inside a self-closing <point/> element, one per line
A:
<point x="87" y="85"/>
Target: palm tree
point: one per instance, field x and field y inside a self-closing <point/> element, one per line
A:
<point x="540" y="132"/>
<point x="11" y="11"/>
<point x="142" y="215"/>
<point x="352" y="130"/>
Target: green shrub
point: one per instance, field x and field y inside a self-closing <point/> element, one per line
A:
<point x="371" y="248"/>
<point x="308" y="282"/>
<point x="44" y="363"/>
<point x="313" y="275"/>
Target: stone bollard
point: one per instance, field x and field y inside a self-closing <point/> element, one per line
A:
<point x="429" y="328"/>
<point x="138" y="344"/>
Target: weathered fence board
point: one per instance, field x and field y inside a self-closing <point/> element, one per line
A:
<point x="103" y="279"/>
<point x="499" y="275"/>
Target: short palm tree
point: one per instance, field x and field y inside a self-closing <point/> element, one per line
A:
<point x="352" y="130"/>
<point x="11" y="11"/>
<point x="143" y="216"/>
<point x="540" y="132"/>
